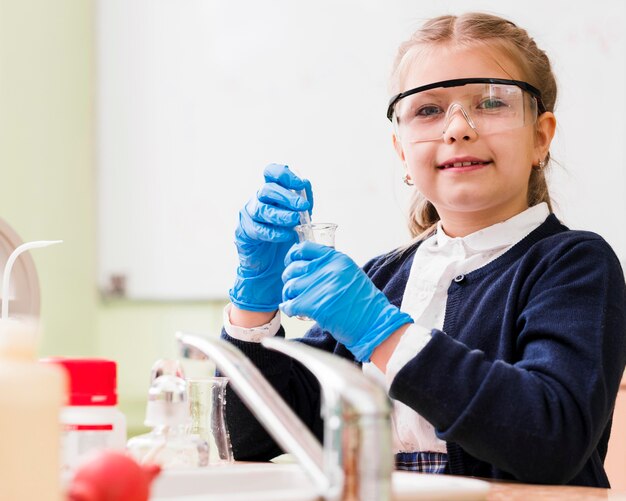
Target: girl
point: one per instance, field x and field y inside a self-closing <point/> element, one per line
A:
<point x="499" y="331"/>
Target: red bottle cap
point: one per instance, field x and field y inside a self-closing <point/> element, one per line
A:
<point x="93" y="381"/>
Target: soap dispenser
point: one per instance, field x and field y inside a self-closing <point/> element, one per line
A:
<point x="169" y="444"/>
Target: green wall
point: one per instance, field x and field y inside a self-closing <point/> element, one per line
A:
<point x="48" y="191"/>
<point x="46" y="157"/>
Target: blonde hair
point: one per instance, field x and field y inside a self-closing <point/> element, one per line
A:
<point x="491" y="31"/>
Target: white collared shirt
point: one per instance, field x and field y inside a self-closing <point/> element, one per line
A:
<point x="437" y="261"/>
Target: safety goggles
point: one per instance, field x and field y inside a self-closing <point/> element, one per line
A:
<point x="489" y="105"/>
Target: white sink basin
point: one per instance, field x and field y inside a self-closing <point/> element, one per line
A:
<point x="287" y="482"/>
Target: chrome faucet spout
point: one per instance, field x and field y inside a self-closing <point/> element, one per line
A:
<point x="269" y="407"/>
<point x="356" y="461"/>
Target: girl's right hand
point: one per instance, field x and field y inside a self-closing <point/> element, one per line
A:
<point x="264" y="235"/>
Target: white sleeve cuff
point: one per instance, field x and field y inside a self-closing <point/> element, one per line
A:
<point x="411" y="343"/>
<point x="251" y="334"/>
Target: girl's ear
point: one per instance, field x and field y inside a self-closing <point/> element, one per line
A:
<point x="397" y="145"/>
<point x="546" y="126"/>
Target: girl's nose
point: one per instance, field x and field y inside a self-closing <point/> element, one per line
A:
<point x="459" y="125"/>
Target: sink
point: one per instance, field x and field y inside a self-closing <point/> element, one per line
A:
<point x="235" y="482"/>
<point x="288" y="482"/>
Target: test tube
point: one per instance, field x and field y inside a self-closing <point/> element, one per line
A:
<point x="305" y="219"/>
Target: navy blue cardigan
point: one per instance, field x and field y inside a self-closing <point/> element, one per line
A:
<point x="521" y="383"/>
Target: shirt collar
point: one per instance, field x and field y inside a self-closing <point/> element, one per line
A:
<point x="499" y="235"/>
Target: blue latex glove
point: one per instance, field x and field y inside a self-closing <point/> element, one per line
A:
<point x="329" y="287"/>
<point x="264" y="235"/>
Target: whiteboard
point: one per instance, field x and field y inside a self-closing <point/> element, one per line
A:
<point x="195" y="97"/>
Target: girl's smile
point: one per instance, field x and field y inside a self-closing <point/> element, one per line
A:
<point x="463" y="164"/>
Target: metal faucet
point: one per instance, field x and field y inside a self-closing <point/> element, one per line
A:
<point x="356" y="461"/>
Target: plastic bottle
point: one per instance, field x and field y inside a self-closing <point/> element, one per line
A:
<point x="90" y="419"/>
<point x="169" y="444"/>
<point x="31" y="397"/>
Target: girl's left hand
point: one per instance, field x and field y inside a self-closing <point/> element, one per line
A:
<point x="329" y="287"/>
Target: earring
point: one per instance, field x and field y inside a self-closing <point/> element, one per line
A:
<point x="540" y="164"/>
<point x="407" y="179"/>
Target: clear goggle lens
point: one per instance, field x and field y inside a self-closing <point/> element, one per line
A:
<point x="487" y="108"/>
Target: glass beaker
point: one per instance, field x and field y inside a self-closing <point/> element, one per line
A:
<point x="207" y="398"/>
<point x="321" y="233"/>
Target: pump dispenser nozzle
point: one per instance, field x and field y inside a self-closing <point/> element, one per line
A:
<point x="6" y="277"/>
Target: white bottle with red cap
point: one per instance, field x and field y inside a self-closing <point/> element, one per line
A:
<point x="90" y="419"/>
